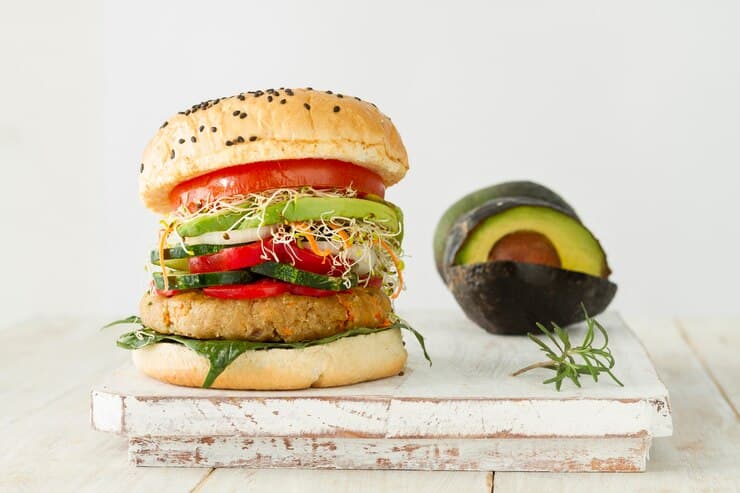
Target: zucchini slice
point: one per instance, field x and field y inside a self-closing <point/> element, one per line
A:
<point x="192" y="251"/>
<point x="193" y="281"/>
<point x="288" y="273"/>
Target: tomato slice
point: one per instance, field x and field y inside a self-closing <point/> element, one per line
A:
<point x="264" y="288"/>
<point x="245" y="256"/>
<point x="286" y="173"/>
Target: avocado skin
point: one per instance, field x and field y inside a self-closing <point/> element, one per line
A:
<point x="511" y="297"/>
<point x="520" y="190"/>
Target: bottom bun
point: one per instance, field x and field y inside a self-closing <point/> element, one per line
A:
<point x="342" y="362"/>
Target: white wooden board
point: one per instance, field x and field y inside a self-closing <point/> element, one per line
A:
<point x="467" y="406"/>
<point x="702" y="455"/>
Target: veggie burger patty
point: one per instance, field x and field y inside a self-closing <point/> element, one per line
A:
<point x="286" y="317"/>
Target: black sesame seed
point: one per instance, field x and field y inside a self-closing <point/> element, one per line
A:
<point x="172" y="154"/>
<point x="187" y="112"/>
<point x="181" y="141"/>
<point x="241" y="97"/>
<point x="228" y="143"/>
<point x="336" y="109"/>
<point x="358" y="99"/>
<point x="164" y="124"/>
<point x="310" y="88"/>
<point x="200" y="129"/>
<point x="307" y="106"/>
<point x="252" y="138"/>
<point x="243" y="116"/>
<point x="141" y="169"/>
<point x="329" y="92"/>
<point x="236" y="113"/>
<point x="269" y="98"/>
<point x="340" y="95"/>
<point x="213" y="129"/>
<point x="271" y="90"/>
<point x="283" y="101"/>
<point x="193" y="139"/>
<point x="240" y="139"/>
<point x="289" y="92"/>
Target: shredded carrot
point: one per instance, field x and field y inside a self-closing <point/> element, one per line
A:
<point x="396" y="264"/>
<point x="342" y="234"/>
<point x="163" y="235"/>
<point x="305" y="230"/>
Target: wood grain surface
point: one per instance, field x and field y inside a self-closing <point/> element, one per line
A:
<point x="465" y="413"/>
<point x="50" y="446"/>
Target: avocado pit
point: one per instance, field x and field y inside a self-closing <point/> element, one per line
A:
<point x="529" y="247"/>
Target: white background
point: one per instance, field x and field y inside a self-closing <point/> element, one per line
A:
<point x="631" y="110"/>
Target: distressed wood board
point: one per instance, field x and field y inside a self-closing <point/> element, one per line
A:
<point x="464" y="413"/>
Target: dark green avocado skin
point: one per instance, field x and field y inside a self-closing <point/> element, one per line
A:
<point x="521" y="190"/>
<point x="511" y="297"/>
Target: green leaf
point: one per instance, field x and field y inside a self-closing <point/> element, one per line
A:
<point x="221" y="353"/>
<point x="133" y="319"/>
<point x="420" y="338"/>
<point x="541" y="344"/>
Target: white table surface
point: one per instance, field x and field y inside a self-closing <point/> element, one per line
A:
<point x="48" y="366"/>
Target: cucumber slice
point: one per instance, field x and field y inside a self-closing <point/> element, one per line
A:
<point x="192" y="281"/>
<point x="303" y="209"/>
<point x="288" y="273"/>
<point x="179" y="252"/>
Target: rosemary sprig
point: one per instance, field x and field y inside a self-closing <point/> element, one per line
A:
<point x="563" y="358"/>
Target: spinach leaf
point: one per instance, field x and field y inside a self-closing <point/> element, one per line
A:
<point x="420" y="338"/>
<point x="221" y="353"/>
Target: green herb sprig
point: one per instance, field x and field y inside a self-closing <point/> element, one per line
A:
<point x="564" y="358"/>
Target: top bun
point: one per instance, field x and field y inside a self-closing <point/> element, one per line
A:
<point x="265" y="126"/>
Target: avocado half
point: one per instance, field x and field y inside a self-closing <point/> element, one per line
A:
<point x="508" y="296"/>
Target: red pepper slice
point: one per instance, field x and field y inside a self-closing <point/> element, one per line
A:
<point x="245" y="256"/>
<point x="169" y="293"/>
<point x="238" y="257"/>
<point x="264" y="288"/>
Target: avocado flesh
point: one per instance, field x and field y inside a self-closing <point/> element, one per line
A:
<point x="302" y="209"/>
<point x="577" y="248"/>
<point x="525" y="190"/>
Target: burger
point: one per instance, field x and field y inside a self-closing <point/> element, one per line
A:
<point x="278" y="257"/>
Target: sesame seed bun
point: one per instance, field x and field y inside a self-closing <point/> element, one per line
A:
<point x="342" y="362"/>
<point x="265" y="126"/>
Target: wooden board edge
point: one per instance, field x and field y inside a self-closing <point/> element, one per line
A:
<point x="107" y="412"/>
<point x="616" y="454"/>
<point x="116" y="413"/>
